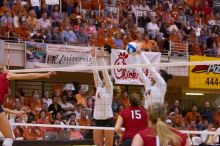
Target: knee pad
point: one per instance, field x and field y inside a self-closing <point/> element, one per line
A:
<point x="7" y="142"/>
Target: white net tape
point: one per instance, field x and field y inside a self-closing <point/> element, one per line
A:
<point x="101" y="128"/>
<point x="86" y="68"/>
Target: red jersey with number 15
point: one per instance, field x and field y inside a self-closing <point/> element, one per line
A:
<point x="4" y="85"/>
<point x="134" y="120"/>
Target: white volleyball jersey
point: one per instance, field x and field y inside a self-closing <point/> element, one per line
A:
<point x="104" y="94"/>
<point x="153" y="93"/>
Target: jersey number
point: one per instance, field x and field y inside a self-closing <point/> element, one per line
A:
<point x="136" y="114"/>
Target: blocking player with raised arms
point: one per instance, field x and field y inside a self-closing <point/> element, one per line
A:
<point x="103" y="113"/>
<point x="155" y="86"/>
<point x="133" y="119"/>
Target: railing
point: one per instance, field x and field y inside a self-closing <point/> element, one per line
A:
<point x="181" y="49"/>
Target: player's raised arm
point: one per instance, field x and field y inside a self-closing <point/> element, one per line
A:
<point x="144" y="79"/>
<point x="97" y="79"/>
<point x="156" y="76"/>
<point x="106" y="76"/>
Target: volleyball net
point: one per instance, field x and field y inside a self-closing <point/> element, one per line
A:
<point x="193" y="83"/>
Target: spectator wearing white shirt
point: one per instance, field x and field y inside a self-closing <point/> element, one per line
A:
<point x="44" y="22"/>
<point x="67" y="107"/>
<point x="172" y="27"/>
<point x="153" y="29"/>
<point x="197" y="29"/>
<point x="209" y="139"/>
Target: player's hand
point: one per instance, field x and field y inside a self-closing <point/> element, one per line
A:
<point x="138" y="50"/>
<point x="93" y="52"/>
<point x="20" y="113"/>
<point x="51" y="73"/>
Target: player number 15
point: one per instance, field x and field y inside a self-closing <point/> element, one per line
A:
<point x="136" y="114"/>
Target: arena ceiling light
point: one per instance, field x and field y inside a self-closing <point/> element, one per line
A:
<point x="195" y="94"/>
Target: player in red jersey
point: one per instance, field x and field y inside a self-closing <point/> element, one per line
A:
<point x="166" y="135"/>
<point x="5" y="77"/>
<point x="133" y="119"/>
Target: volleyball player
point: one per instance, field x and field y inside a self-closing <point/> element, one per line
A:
<point x="133" y="119"/>
<point x="5" y="77"/>
<point x="103" y="113"/>
<point x="155" y="84"/>
<point x="167" y="135"/>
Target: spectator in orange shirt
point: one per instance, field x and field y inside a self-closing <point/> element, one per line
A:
<point x="18" y="8"/>
<point x="48" y="114"/>
<point x="80" y="98"/>
<point x="36" y="105"/>
<point x="4" y="8"/>
<point x="105" y="39"/>
<point x="101" y="29"/>
<point x="173" y="36"/>
<point x="75" y="134"/>
<point x="43" y="119"/>
<point x="124" y="101"/>
<point x="179" y="117"/>
<point x="58" y="94"/>
<point x="32" y="20"/>
<point x="24" y="107"/>
<point x="112" y="31"/>
<point x="19" y="130"/>
<point x="23" y="31"/>
<point x="9" y="103"/>
<point x="150" y="45"/>
<point x="193" y="115"/>
<point x="93" y="40"/>
<point x="84" y="121"/>
<point x="86" y="5"/>
<point x="33" y="133"/>
<point x="96" y="4"/>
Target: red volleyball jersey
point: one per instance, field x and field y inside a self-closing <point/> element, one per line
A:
<point x="149" y="137"/>
<point x="4" y="85"/>
<point x="134" y="120"/>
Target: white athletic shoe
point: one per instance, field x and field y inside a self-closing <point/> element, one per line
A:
<point x="8" y="142"/>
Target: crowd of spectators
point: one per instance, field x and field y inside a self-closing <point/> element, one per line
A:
<point x="115" y="22"/>
<point x="74" y="106"/>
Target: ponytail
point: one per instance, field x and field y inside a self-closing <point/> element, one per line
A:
<point x="166" y="135"/>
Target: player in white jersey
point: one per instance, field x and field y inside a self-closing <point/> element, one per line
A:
<point x="155" y="84"/>
<point x="103" y="113"/>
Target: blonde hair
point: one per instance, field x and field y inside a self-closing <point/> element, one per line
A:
<point x="157" y="117"/>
